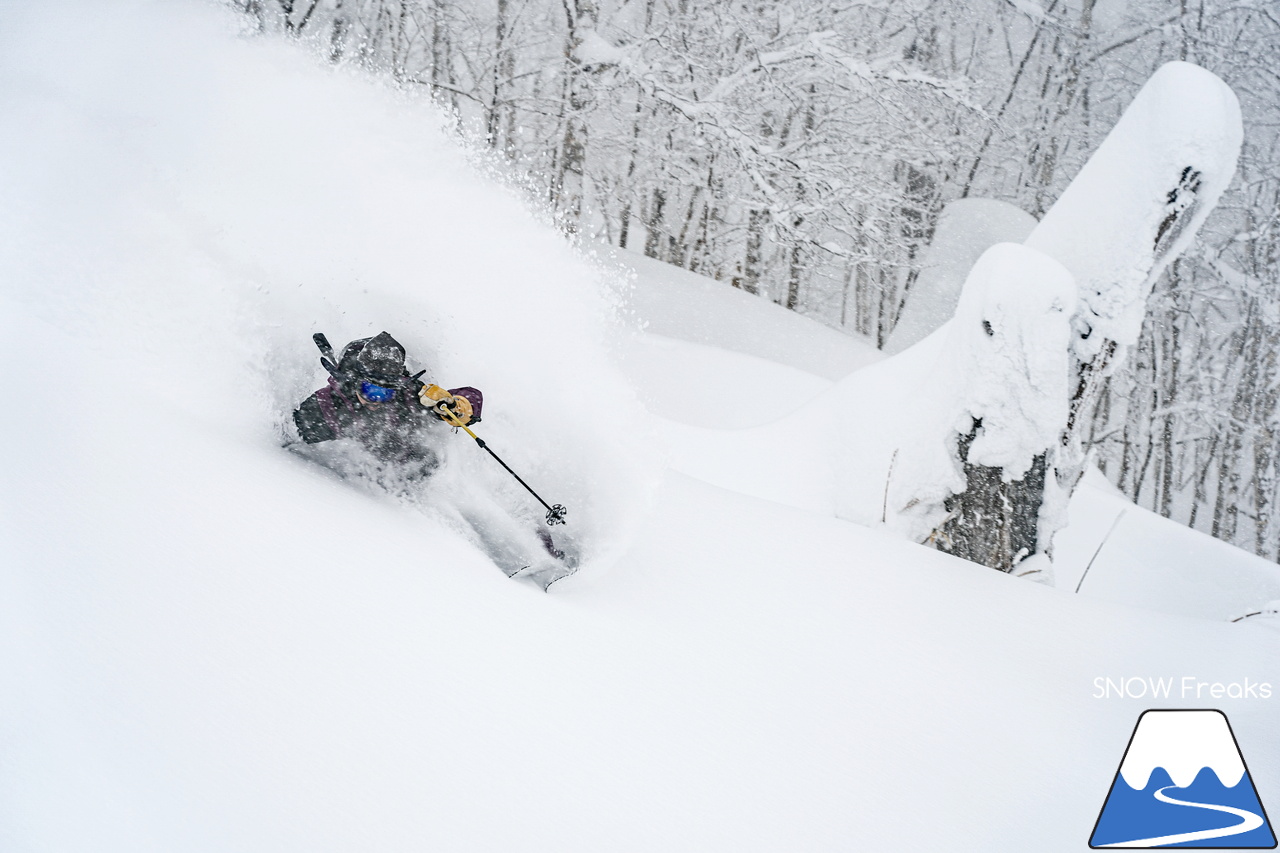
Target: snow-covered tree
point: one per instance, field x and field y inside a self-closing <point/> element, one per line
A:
<point x="1007" y="350"/>
<point x="1134" y="207"/>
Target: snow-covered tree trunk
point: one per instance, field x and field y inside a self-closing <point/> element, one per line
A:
<point x="568" y="189"/>
<point x="993" y="521"/>
<point x="1133" y="208"/>
<point x="1007" y="350"/>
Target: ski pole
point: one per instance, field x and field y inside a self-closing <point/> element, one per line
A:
<point x="555" y="514"/>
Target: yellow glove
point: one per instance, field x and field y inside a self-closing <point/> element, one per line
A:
<point x="434" y="397"/>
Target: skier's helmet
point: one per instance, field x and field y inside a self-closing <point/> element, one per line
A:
<point x="379" y="359"/>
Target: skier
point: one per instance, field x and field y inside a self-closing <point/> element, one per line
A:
<point x="372" y="400"/>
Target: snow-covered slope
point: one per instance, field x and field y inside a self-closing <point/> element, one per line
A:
<point x="207" y="644"/>
<point x="676" y="303"/>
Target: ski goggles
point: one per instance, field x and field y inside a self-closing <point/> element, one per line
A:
<point x="376" y="393"/>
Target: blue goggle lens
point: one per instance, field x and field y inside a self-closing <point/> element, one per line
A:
<point x="376" y="393"/>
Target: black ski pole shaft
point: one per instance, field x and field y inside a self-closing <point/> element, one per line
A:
<point x="555" y="514"/>
<point x="481" y="442"/>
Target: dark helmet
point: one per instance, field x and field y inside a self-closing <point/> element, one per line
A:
<point x="378" y="359"/>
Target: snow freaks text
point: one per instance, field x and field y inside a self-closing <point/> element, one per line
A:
<point x="1186" y="687"/>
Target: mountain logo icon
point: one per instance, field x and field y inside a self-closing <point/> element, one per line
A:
<point x="1183" y="783"/>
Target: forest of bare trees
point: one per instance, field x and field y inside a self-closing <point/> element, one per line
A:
<point x="802" y="152"/>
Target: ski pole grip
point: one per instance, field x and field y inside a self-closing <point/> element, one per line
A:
<point x="448" y="414"/>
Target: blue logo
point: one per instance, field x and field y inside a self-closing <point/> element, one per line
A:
<point x="1183" y="783"/>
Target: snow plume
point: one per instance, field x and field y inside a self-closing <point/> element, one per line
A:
<point x="196" y="202"/>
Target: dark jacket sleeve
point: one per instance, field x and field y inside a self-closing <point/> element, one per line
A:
<point x="311" y="423"/>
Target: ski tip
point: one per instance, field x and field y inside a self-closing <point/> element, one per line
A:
<point x="544" y="576"/>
